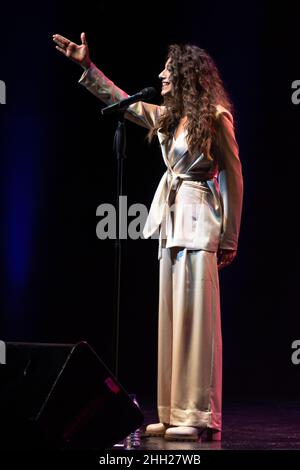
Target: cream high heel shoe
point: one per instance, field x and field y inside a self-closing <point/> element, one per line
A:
<point x="156" y="429"/>
<point x="191" y="433"/>
<point x="182" y="433"/>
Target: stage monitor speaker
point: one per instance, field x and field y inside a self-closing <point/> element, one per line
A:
<point x="61" y="396"/>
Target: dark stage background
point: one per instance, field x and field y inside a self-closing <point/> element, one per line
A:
<point x="57" y="167"/>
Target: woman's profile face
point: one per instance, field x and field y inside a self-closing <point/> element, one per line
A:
<point x="165" y="76"/>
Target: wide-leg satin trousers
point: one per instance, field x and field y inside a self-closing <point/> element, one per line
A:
<point x="189" y="339"/>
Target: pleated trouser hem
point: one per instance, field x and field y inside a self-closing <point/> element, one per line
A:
<point x="177" y="417"/>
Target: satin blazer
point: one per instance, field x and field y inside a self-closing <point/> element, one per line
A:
<point x="198" y="202"/>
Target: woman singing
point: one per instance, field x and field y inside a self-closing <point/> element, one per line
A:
<point x="196" y="213"/>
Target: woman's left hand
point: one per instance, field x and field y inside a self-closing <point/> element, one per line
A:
<point x="225" y="257"/>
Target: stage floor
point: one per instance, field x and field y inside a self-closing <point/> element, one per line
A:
<point x="246" y="426"/>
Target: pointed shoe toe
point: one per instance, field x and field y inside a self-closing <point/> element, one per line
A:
<point x="182" y="433"/>
<point x="156" y="429"/>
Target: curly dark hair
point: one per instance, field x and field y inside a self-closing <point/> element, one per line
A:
<point x="198" y="88"/>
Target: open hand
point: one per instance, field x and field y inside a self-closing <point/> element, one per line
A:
<point x="79" y="53"/>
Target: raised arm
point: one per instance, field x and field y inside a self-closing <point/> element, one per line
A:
<point x="96" y="82"/>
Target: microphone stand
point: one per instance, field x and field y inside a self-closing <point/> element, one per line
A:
<point x="119" y="148"/>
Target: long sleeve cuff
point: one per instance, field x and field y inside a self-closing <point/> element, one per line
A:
<point x="102" y="87"/>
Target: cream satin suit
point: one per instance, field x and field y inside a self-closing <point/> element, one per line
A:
<point x="196" y="209"/>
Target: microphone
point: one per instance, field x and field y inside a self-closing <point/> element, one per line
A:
<point x="144" y="94"/>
